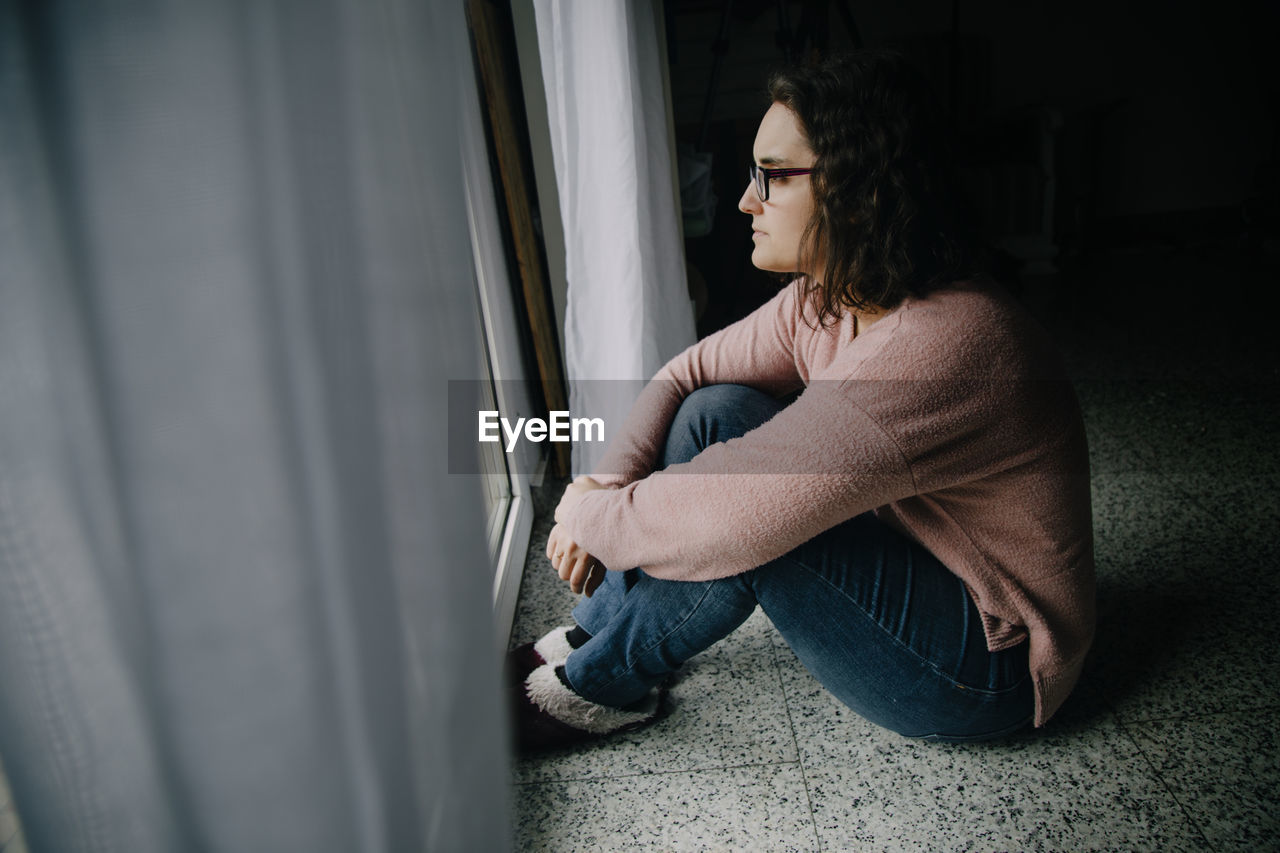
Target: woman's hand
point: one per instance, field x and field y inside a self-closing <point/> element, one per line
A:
<point x="583" y="571"/>
<point x="579" y="487"/>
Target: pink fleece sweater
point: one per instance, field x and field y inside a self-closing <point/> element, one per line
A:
<point x="951" y="417"/>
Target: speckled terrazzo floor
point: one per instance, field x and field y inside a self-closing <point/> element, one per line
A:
<point x="1169" y="743"/>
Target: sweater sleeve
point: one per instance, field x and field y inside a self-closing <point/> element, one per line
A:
<point x="746" y="501"/>
<point x="758" y="351"/>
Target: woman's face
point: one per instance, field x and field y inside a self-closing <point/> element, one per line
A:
<point x="778" y="224"/>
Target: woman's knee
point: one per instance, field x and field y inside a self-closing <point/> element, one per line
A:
<point x="715" y="413"/>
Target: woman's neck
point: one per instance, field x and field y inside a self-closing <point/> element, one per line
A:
<point x="865" y="317"/>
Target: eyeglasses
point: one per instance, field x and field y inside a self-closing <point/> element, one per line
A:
<point x="760" y="177"/>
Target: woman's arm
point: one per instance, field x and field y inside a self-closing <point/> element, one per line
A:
<point x="758" y="351"/>
<point x="743" y="502"/>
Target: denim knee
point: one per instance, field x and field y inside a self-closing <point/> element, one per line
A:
<point x="715" y="413"/>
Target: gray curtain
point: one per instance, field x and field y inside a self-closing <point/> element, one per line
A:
<point x="243" y="606"/>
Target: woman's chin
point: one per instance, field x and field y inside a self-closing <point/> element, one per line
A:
<point x="762" y="261"/>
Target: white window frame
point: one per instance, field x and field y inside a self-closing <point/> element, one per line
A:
<point x="502" y="337"/>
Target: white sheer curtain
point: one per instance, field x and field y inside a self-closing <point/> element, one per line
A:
<point x="627" y="309"/>
<point x="243" y="606"/>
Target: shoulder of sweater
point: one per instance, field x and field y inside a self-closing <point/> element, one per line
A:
<point x="977" y="306"/>
<point x="972" y="327"/>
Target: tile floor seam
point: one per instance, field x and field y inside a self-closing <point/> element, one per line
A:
<point x="804" y="776"/>
<point x="1252" y="709"/>
<point x="1146" y="455"/>
<point x="1155" y="771"/>
<point x="1197" y="500"/>
<point x="612" y="777"/>
<point x="1194" y="498"/>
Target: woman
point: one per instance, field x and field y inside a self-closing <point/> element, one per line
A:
<point x="915" y="523"/>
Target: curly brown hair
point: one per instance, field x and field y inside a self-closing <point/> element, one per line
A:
<point x="888" y="218"/>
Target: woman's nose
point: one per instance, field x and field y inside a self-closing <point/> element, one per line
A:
<point x="750" y="200"/>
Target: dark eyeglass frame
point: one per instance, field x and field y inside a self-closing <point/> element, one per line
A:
<point x="761" y="177"/>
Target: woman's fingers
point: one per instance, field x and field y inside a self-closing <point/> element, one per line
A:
<point x="582" y="567"/>
<point x="565" y="568"/>
<point x="572" y="563"/>
<point x="553" y="542"/>
<point x="576" y="573"/>
<point x="559" y="549"/>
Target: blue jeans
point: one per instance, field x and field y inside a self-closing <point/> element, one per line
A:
<point x="875" y="617"/>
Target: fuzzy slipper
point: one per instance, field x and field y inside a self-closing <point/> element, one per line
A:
<point x="550" y="715"/>
<point x="553" y="649"/>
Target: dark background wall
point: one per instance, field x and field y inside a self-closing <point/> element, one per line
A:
<point x="1141" y="124"/>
